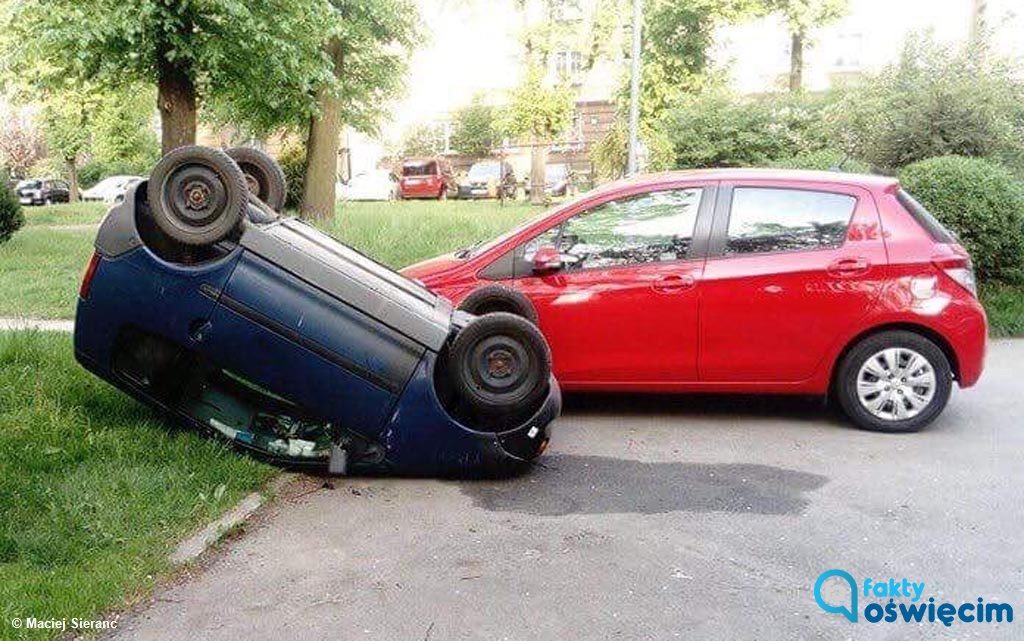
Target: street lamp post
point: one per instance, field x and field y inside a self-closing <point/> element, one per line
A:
<point x="634" y="90"/>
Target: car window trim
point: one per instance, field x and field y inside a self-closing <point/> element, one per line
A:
<point x="723" y="212"/>
<point x="698" y="244"/>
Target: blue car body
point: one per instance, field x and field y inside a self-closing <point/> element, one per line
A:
<point x="286" y="317"/>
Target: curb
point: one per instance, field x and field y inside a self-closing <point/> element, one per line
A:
<point x="194" y="546"/>
<point x="40" y="324"/>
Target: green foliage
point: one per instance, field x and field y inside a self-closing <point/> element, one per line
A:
<point x="423" y="140"/>
<point x="824" y="160"/>
<point x="66" y="118"/>
<point x="1004" y="305"/>
<point x="376" y="37"/>
<point x="94" y="171"/>
<point x="937" y="101"/>
<point x="677" y="41"/>
<point x="11" y="217"/>
<point x="537" y="111"/>
<point x="610" y="155"/>
<point x="804" y="15"/>
<point x="292" y="159"/>
<point x="473" y="130"/>
<point x="123" y="137"/>
<point x="257" y="59"/>
<point x="718" y="129"/>
<point x="982" y="203"/>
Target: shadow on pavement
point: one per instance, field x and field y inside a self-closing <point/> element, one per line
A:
<point x="799" y="408"/>
<point x="569" y="484"/>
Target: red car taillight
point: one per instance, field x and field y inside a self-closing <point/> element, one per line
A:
<point x="960" y="269"/>
<point x="90" y="272"/>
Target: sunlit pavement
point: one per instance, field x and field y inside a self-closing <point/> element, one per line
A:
<point x="650" y="518"/>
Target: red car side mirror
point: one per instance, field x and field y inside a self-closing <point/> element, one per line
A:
<point x="547" y="259"/>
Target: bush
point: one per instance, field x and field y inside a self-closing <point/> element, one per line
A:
<point x="11" y="217"/>
<point x="94" y="171"/>
<point x="293" y="162"/>
<point x="825" y="160"/>
<point x="937" y="101"/>
<point x="718" y="129"/>
<point x="982" y="203"/>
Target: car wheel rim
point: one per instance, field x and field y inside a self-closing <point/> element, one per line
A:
<point x="896" y="384"/>
<point x="499" y="367"/>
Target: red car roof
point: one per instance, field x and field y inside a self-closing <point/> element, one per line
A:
<point x="868" y="181"/>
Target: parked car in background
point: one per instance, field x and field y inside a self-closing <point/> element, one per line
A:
<point x="426" y="178"/>
<point x="759" y="281"/>
<point x="111" y="189"/>
<point x="489" y="179"/>
<point x="48" y="191"/>
<point x="556" y="180"/>
<point x="378" y="184"/>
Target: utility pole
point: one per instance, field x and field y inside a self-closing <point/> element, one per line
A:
<point x="977" y="21"/>
<point x="634" y="89"/>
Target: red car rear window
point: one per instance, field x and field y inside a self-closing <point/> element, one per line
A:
<point x="420" y="169"/>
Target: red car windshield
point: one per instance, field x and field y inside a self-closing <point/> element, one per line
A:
<point x="420" y="169"/>
<point x="482" y="246"/>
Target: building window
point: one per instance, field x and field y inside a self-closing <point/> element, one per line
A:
<point x="568" y="64"/>
<point x="849" y="48"/>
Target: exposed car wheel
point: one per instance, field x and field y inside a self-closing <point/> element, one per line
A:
<point x="263" y="175"/>
<point x="895" y="381"/>
<point x="48" y="201"/>
<point x="198" y="195"/>
<point x="499" y="298"/>
<point x="500" y="365"/>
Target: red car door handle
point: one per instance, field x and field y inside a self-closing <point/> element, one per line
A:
<point x="674" y="283"/>
<point x="849" y="267"/>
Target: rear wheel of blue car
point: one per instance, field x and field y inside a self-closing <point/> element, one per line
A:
<point x="197" y="195"/>
<point x="263" y="175"/>
<point x="500" y="366"/>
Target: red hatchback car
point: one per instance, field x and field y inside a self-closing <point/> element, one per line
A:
<point x="754" y="281"/>
<point x="426" y="178"/>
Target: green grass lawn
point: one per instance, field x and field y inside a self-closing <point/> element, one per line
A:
<point x="94" y="491"/>
<point x="73" y="214"/>
<point x="40" y="267"/>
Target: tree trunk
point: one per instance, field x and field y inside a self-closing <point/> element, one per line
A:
<point x="796" y="62"/>
<point x="176" y="99"/>
<point x="72" y="166"/>
<point x="322" y="148"/>
<point x="538" y="156"/>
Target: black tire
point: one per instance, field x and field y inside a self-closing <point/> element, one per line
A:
<point x="499" y="298"/>
<point x="499" y="367"/>
<point x="264" y="176"/>
<point x="197" y="195"/>
<point x="894" y="386"/>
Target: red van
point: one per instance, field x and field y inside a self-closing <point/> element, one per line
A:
<point x="426" y="178"/>
<point x="739" y="280"/>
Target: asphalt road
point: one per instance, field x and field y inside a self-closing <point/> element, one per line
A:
<point x="651" y="518"/>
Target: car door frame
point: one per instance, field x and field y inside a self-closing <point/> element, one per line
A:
<point x="696" y="254"/>
<point x="718" y="240"/>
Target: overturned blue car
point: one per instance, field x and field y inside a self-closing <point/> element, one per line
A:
<point x="204" y="302"/>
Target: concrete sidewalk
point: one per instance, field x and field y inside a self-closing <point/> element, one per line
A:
<point x="651" y="518"/>
<point x="41" y="324"/>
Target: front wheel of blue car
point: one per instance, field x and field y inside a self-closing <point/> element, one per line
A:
<point x="197" y="195"/>
<point x="500" y="366"/>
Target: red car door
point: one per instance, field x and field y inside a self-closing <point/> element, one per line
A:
<point x="622" y="307"/>
<point x="791" y="269"/>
